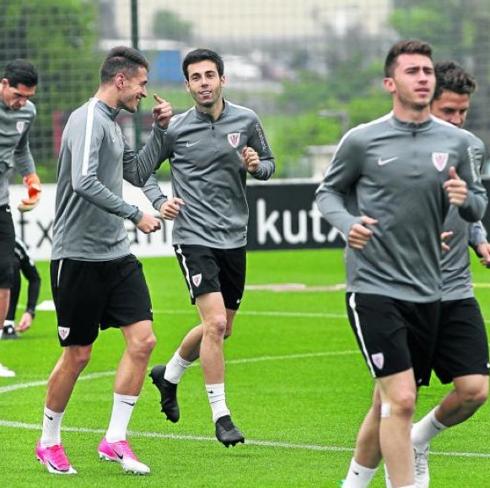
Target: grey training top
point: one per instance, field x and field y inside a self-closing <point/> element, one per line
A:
<point x="14" y="144"/>
<point x="395" y="173"/>
<point x="94" y="159"/>
<point x="209" y="174"/>
<point x="456" y="272"/>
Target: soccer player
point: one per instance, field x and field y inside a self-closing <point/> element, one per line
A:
<point x="17" y="114"/>
<point x="95" y="279"/>
<point x="211" y="148"/>
<point x="388" y="190"/>
<point x="22" y="263"/>
<point x="461" y="354"/>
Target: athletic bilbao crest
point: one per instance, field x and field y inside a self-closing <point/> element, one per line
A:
<point x="20" y="126"/>
<point x="196" y="279"/>
<point x="64" y="332"/>
<point x="234" y="139"/>
<point x="440" y="160"/>
<point x="378" y="360"/>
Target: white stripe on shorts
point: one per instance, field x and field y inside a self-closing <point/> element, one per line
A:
<point x="352" y="305"/>
<point x="59" y="273"/>
<point x="186" y="269"/>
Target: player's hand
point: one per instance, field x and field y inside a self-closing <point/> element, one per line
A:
<point x="25" y="322"/>
<point x="251" y="159"/>
<point x="162" y="113"/>
<point x="360" y="234"/>
<point x="33" y="191"/>
<point x="148" y="224"/>
<point x="483" y="250"/>
<point x="171" y="208"/>
<point x="445" y="236"/>
<point x="456" y="188"/>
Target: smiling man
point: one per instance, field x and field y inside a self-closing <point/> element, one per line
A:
<point x="388" y="190"/>
<point x="95" y="280"/>
<point x="211" y="148"/>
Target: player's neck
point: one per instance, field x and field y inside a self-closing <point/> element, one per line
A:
<point x="214" y="111"/>
<point x="411" y="114"/>
<point x="108" y="96"/>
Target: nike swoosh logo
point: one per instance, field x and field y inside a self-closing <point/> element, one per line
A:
<point x="382" y="162"/>
<point x="190" y="144"/>
<point x="48" y="417"/>
<point x="120" y="456"/>
<point x="129" y="403"/>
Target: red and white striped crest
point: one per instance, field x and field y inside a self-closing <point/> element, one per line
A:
<point x="196" y="279"/>
<point x="234" y="139"/>
<point x="440" y="160"/>
<point x="378" y="360"/>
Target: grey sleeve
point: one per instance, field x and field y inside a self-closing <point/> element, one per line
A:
<point x="476" y="203"/>
<point x="154" y="193"/>
<point x="23" y="160"/>
<point x="84" y="175"/>
<point x="344" y="171"/>
<point x="137" y="167"/>
<point x="258" y="142"/>
<point x="477" y="234"/>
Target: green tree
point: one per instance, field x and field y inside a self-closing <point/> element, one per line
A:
<point x="59" y="38"/>
<point x="168" y="25"/>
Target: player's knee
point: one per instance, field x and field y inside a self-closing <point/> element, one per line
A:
<point x="216" y="325"/>
<point x="475" y="395"/>
<point x="403" y="404"/>
<point x="78" y="357"/>
<point x="143" y="346"/>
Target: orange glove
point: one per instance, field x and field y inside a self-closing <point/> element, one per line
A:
<point x="33" y="190"/>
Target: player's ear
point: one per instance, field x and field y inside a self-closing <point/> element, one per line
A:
<point x="389" y="85"/>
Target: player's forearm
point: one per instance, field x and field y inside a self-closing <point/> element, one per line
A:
<point x="332" y="207"/>
<point x="91" y="189"/>
<point x="138" y="167"/>
<point x="265" y="170"/>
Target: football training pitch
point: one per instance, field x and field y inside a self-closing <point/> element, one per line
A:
<point x="296" y="385"/>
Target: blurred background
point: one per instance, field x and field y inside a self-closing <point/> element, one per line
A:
<point x="310" y="69"/>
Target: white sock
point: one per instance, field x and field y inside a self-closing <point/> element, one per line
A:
<point x="9" y="322"/>
<point x="51" y="434"/>
<point x="122" y="409"/>
<point x="217" y="400"/>
<point x="408" y="486"/>
<point x="425" y="429"/>
<point x="358" y="476"/>
<point x="176" y="368"/>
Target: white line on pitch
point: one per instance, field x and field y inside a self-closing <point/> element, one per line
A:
<point x="265" y="313"/>
<point x="91" y="376"/>
<point x="275" y="444"/>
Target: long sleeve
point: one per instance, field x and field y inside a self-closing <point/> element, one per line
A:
<point x="331" y="195"/>
<point x="476" y="203"/>
<point x="258" y="142"/>
<point x="139" y="166"/>
<point x="23" y="160"/>
<point x="154" y="193"/>
<point x="85" y="147"/>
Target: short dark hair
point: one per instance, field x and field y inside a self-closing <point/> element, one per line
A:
<point x="410" y="46"/>
<point x="199" y="55"/>
<point x="452" y="77"/>
<point x="122" y="59"/>
<point x="20" y="71"/>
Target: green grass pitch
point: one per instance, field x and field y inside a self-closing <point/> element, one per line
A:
<point x="296" y="385"/>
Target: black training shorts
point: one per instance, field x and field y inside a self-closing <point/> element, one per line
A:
<point x="462" y="344"/>
<point x="208" y="270"/>
<point x="394" y="335"/>
<point x="7" y="245"/>
<point x="89" y="295"/>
